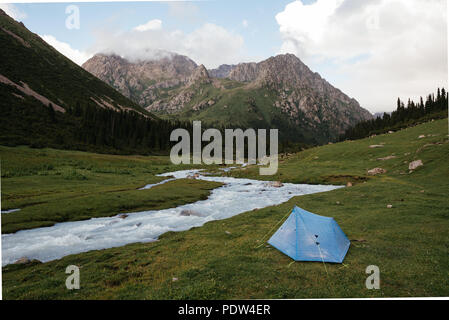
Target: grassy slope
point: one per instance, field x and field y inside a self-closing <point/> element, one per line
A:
<point x="50" y="73"/>
<point x="244" y="106"/>
<point x="409" y="242"/>
<point x="54" y="186"/>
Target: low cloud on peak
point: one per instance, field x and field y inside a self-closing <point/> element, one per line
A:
<point x="209" y="44"/>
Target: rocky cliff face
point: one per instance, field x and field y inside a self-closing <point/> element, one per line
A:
<point x="222" y="71"/>
<point x="180" y="98"/>
<point x="292" y="93"/>
<point x="301" y="91"/>
<point x="142" y="81"/>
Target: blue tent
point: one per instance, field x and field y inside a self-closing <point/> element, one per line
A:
<point x="305" y="236"/>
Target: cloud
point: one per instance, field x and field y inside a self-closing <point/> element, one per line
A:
<point x="245" y="23"/>
<point x="77" y="56"/>
<point x="12" y="11"/>
<point x="155" y="24"/>
<point x="374" y="50"/>
<point x="209" y="44"/>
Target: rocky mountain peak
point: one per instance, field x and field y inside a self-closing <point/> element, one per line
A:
<point x="199" y="74"/>
<point x="222" y="71"/>
<point x="142" y="79"/>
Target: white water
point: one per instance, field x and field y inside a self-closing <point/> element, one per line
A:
<point x="9" y="211"/>
<point x="235" y="197"/>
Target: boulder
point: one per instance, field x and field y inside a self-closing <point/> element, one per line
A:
<point x="374" y="146"/>
<point x="188" y="213"/>
<point x="349" y="184"/>
<point x="376" y="171"/>
<point x="415" y="164"/>
<point x="122" y="216"/>
<point x="276" y="184"/>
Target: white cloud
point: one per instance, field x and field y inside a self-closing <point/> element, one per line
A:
<point x="209" y="44"/>
<point x="77" y="56"/>
<point x="12" y="11"/>
<point x="245" y="23"/>
<point x="155" y="24"/>
<point x="374" y="50"/>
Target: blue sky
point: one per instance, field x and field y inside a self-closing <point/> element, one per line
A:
<point x="373" y="50"/>
<point x="49" y="18"/>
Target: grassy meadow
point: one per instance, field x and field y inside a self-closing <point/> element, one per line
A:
<point x="229" y="258"/>
<point x="53" y="186"/>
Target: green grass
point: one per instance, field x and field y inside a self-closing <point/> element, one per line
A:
<point x="243" y="106"/>
<point x="53" y="186"/>
<point x="224" y="259"/>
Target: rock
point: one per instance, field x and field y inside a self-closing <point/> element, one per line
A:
<point x="389" y="206"/>
<point x="338" y="202"/>
<point x="374" y="146"/>
<point x="122" y="216"/>
<point x="227" y="232"/>
<point x="349" y="184"/>
<point x="415" y="164"/>
<point x="194" y="176"/>
<point x="390" y="132"/>
<point x="386" y="158"/>
<point x="188" y="213"/>
<point x="23" y="260"/>
<point x="276" y="184"/>
<point x="376" y="171"/>
<point x="421" y="136"/>
<point x="174" y="279"/>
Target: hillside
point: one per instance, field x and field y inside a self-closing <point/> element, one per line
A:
<point x="31" y="67"/>
<point x="280" y="92"/>
<point x="47" y="100"/>
<point x="408" y="241"/>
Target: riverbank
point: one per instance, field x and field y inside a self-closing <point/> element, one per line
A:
<point x="52" y="186"/>
<point x="234" y="197"/>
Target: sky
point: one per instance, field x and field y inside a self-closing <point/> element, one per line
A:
<point x="373" y="50"/>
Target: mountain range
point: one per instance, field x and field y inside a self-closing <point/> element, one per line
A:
<point x="280" y="92"/>
<point x="45" y="97"/>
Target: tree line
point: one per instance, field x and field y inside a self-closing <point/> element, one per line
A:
<point x="434" y="107"/>
<point x="123" y="130"/>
